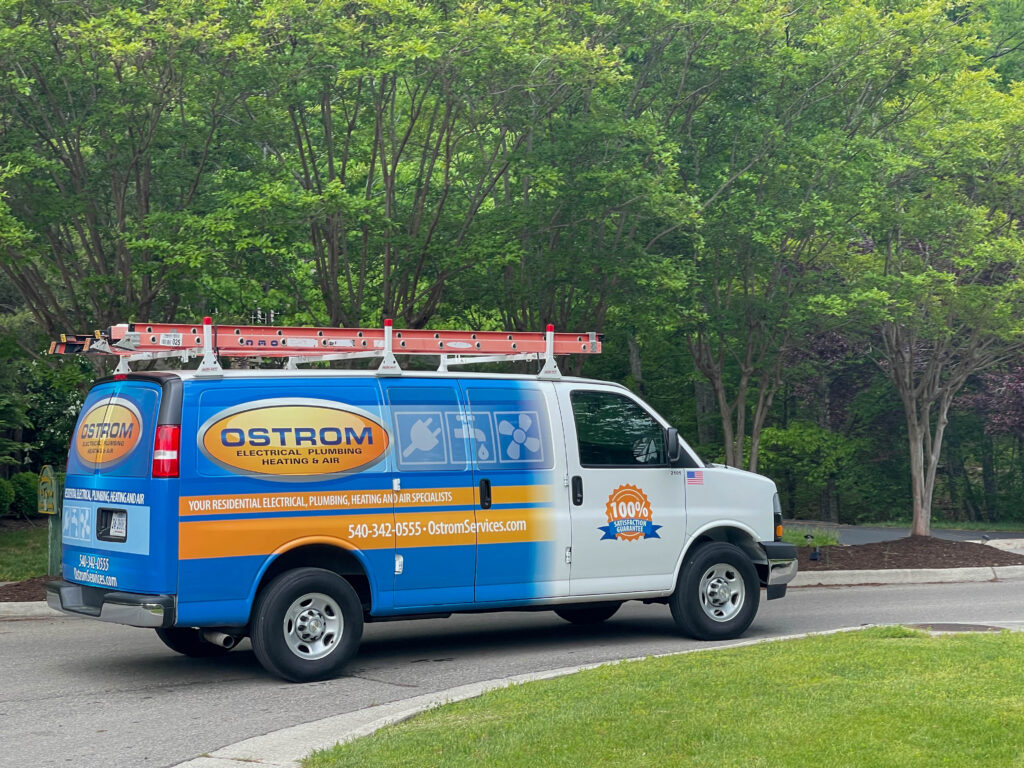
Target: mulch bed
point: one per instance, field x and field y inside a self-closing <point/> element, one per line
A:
<point x="29" y="591"/>
<point x="910" y="552"/>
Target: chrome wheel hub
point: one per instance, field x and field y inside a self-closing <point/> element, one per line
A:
<point x="313" y="625"/>
<point x="722" y="592"/>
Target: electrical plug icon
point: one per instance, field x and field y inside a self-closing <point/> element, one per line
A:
<point x="421" y="437"/>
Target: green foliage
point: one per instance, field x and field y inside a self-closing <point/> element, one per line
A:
<point x="26" y="493"/>
<point x="816" y="454"/>
<point x="6" y="496"/>
<point x="714" y="185"/>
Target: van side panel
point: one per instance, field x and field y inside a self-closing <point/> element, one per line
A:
<point x="108" y="476"/>
<point x="272" y="464"/>
<point x="435" y="513"/>
<point x="524" y="536"/>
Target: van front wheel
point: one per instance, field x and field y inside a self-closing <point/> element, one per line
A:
<point x="717" y="593"/>
<point x="306" y="624"/>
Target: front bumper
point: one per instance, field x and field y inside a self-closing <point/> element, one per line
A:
<point x="135" y="610"/>
<point x="781" y="568"/>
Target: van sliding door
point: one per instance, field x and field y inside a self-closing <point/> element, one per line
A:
<point x="519" y="466"/>
<point x="435" y="524"/>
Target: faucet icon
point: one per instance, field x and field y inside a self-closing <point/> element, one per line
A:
<point x="478" y="436"/>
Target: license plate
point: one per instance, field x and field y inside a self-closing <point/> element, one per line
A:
<point x="119" y="525"/>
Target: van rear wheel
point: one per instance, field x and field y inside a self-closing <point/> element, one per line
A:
<point x="717" y="593"/>
<point x="593" y="613"/>
<point x="307" y="623"/>
<point x="189" y="642"/>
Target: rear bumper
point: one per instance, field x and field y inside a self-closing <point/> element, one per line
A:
<point x="135" y="610"/>
<point x="781" y="568"/>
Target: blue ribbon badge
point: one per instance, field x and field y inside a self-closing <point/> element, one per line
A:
<point x="629" y="516"/>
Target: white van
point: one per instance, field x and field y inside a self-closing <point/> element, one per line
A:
<point x="292" y="505"/>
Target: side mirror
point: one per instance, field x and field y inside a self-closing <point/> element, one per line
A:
<point x="672" y="439"/>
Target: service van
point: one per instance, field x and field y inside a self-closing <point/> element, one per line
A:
<point x="292" y="505"/>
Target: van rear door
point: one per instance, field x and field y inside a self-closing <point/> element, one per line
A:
<point x="118" y="530"/>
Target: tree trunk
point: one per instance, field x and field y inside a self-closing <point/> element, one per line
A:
<point x="704" y="399"/>
<point x="830" y="501"/>
<point x="921" y="525"/>
<point x="988" y="478"/>
<point x="635" y="366"/>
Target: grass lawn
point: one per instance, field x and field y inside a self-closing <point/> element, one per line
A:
<point x="882" y="697"/>
<point x="794" y="534"/>
<point x="23" y="552"/>
<point x="961" y="525"/>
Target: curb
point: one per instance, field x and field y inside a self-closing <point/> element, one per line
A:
<point x="38" y="610"/>
<point x="908" y="576"/>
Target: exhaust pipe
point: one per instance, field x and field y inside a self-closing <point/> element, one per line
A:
<point x="218" y="638"/>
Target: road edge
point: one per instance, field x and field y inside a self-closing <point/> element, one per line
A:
<point x="33" y="610"/>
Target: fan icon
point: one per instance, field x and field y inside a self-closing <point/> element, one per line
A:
<point x="520" y="436"/>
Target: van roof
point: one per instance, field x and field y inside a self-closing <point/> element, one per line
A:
<point x="281" y="373"/>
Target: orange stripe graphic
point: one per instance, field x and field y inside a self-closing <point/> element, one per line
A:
<point x="238" y="538"/>
<point x="235" y="536"/>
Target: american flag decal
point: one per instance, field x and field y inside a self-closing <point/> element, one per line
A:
<point x="695" y="477"/>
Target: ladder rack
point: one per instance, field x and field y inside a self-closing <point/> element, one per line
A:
<point x="132" y="342"/>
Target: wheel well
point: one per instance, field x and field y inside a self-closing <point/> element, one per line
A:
<point x="734" y="536"/>
<point x="341" y="561"/>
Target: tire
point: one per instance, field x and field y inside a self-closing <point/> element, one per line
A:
<point x="592" y="613"/>
<point x="306" y="624"/>
<point x="717" y="594"/>
<point x="188" y="641"/>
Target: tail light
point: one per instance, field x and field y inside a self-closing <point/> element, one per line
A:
<point x="165" y="450"/>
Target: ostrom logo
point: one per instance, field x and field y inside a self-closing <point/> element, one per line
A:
<point x="108" y="432"/>
<point x="293" y="439"/>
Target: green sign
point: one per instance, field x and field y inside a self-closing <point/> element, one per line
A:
<point x="47" y="496"/>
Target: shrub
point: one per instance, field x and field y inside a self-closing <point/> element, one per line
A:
<point x="26" y="493"/>
<point x="6" y="496"/>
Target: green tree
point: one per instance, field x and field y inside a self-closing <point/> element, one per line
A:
<point x="942" y="262"/>
<point x="108" y="115"/>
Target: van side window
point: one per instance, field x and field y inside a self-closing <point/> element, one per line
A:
<point x="426" y="424"/>
<point x="509" y="428"/>
<point x="612" y="430"/>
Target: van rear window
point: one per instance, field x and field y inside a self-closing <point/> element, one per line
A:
<point x="114" y="433"/>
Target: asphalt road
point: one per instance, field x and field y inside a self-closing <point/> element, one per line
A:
<point x="75" y="692"/>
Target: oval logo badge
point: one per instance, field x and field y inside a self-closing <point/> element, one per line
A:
<point x="108" y="432"/>
<point x="293" y="439"/>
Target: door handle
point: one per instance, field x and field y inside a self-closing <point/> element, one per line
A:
<point x="485" y="494"/>
<point x="577" y="490"/>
